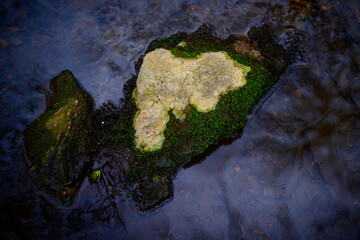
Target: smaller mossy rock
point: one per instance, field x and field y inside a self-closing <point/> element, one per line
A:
<point x="166" y="82"/>
<point x="55" y="142"/>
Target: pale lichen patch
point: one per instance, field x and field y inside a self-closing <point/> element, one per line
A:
<point x="166" y="82"/>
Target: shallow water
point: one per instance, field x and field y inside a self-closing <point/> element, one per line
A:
<point x="295" y="172"/>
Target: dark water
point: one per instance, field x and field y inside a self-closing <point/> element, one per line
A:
<point x="295" y="172"/>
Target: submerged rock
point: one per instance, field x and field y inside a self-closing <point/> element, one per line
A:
<point x="55" y="141"/>
<point x="166" y="82"/>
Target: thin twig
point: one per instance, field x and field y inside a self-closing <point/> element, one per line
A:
<point x="112" y="202"/>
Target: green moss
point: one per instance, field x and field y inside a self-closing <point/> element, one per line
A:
<point x="124" y="128"/>
<point x="169" y="42"/>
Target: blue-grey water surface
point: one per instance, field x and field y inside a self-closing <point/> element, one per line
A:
<point x="294" y="173"/>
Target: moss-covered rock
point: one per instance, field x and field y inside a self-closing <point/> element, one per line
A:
<point x="189" y="136"/>
<point x="55" y="142"/>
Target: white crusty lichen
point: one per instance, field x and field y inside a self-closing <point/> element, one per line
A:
<point x="166" y="82"/>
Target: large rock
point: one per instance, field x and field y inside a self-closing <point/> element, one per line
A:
<point x="55" y="141"/>
<point x="167" y="82"/>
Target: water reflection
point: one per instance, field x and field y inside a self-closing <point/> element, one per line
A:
<point x="293" y="174"/>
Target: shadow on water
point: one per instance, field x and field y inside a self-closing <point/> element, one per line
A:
<point x="294" y="173"/>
